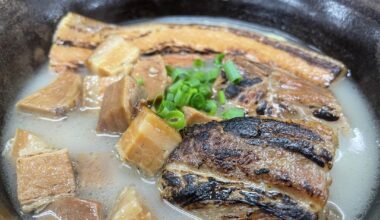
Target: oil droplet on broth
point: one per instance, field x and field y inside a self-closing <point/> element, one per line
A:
<point x="358" y="152"/>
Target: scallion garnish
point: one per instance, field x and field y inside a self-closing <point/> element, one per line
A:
<point x="140" y="82"/>
<point x="193" y="87"/>
<point x="232" y="73"/>
<point x="176" y="119"/>
<point x="233" y="113"/>
<point x="221" y="97"/>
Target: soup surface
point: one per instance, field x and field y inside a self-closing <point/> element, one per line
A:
<point x="102" y="176"/>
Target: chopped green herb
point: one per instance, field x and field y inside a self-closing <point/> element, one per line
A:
<point x="233" y="113"/>
<point x="221" y="97"/>
<point x="140" y="82"/>
<point x="232" y="73"/>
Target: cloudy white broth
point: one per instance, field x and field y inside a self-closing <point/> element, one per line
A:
<point x="103" y="176"/>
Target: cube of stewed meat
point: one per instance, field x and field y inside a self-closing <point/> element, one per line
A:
<point x="72" y="209"/>
<point x="194" y="116"/>
<point x="119" y="105"/>
<point x="94" y="88"/>
<point x="56" y="99"/>
<point x="129" y="206"/>
<point x="148" y="142"/>
<point x="151" y="72"/>
<point x="44" y="178"/>
<point x="112" y="57"/>
<point x="26" y="143"/>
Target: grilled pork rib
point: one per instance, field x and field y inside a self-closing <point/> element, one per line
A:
<point x="272" y="92"/>
<point x="249" y="168"/>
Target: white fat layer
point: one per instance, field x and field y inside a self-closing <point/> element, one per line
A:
<point x="354" y="174"/>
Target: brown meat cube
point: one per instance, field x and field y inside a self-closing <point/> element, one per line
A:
<point x="112" y="57"/>
<point x="94" y="88"/>
<point x="72" y="209"/>
<point x="152" y="72"/>
<point x="119" y="105"/>
<point x="148" y="142"/>
<point x="56" y="99"/>
<point x="129" y="206"/>
<point x="44" y="178"/>
<point x="193" y="116"/>
<point x="26" y="143"/>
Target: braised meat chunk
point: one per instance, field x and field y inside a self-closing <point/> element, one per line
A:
<point x="251" y="166"/>
<point x="44" y="178"/>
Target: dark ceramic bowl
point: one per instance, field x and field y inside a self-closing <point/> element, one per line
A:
<point x="347" y="30"/>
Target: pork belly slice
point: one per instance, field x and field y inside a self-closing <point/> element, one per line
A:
<point x="76" y="32"/>
<point x="275" y="93"/>
<point x="26" y="143"/>
<point x="56" y="99"/>
<point x="72" y="209"/>
<point x="148" y="142"/>
<point x="44" y="178"/>
<point x="151" y="72"/>
<point x="94" y="88"/>
<point x="119" y="105"/>
<point x="112" y="57"/>
<point x="129" y="205"/>
<point x="184" y="59"/>
<point x="251" y="166"/>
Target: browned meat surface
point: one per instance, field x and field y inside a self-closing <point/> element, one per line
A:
<point x="194" y="116"/>
<point x="44" y="178"/>
<point x="56" y="99"/>
<point x="119" y="105"/>
<point x="184" y="59"/>
<point x="76" y="36"/>
<point x="129" y="205"/>
<point x="151" y="72"/>
<point x="73" y="209"/>
<point x="94" y="88"/>
<point x="26" y="143"/>
<point x="272" y="92"/>
<point x="250" y="166"/>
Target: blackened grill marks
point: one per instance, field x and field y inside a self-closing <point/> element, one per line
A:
<point x="203" y="191"/>
<point x="169" y="48"/>
<point x="326" y="113"/>
<point x="68" y="43"/>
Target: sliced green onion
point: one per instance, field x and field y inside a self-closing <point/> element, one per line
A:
<point x="205" y="90"/>
<point x="170" y="97"/>
<point x="176" y="86"/>
<point x="198" y="63"/>
<point x="221" y="97"/>
<point x="179" y="98"/>
<point x="157" y="101"/>
<point x="219" y="59"/>
<point x="211" y="107"/>
<point x="232" y="73"/>
<point x="213" y="74"/>
<point x="176" y="119"/>
<point x="233" y="113"/>
<point x="201" y="76"/>
<point x="198" y="101"/>
<point x="140" y="82"/>
<point x="179" y="73"/>
<point x="193" y="82"/>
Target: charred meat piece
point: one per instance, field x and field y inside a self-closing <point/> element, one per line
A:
<point x="273" y="92"/>
<point x="119" y="105"/>
<point x="151" y="72"/>
<point x="251" y="167"/>
<point x="79" y="35"/>
<point x="56" y="99"/>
